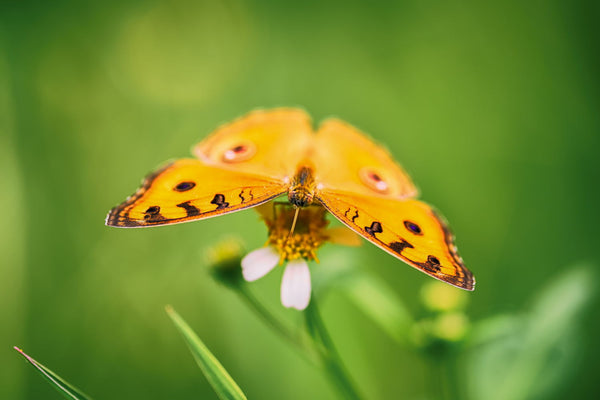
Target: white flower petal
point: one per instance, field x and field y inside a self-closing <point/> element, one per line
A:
<point x="259" y="262"/>
<point x="295" y="285"/>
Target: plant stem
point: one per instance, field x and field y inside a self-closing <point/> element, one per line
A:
<point x="437" y="385"/>
<point x="450" y="376"/>
<point x="283" y="331"/>
<point x="443" y="367"/>
<point x="330" y="358"/>
<point x="320" y="350"/>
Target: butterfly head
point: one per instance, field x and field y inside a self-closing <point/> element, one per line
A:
<point x="302" y="187"/>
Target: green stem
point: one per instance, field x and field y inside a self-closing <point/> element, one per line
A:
<point x="442" y="366"/>
<point x="320" y="350"/>
<point x="330" y="358"/>
<point x="438" y="385"/>
<point x="306" y="351"/>
<point x="450" y="376"/>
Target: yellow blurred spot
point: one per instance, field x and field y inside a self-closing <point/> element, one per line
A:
<point x="226" y="253"/>
<point x="451" y="327"/>
<point x="442" y="297"/>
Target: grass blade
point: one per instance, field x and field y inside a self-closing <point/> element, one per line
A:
<point x="222" y="383"/>
<point x="67" y="390"/>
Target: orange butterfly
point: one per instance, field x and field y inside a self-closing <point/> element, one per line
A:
<point x="271" y="152"/>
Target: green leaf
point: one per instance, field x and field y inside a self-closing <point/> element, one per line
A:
<point x="67" y="390"/>
<point x="222" y="383"/>
<point x="528" y="356"/>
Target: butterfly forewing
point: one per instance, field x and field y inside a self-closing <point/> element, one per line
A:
<point x="187" y="190"/>
<point x="408" y="229"/>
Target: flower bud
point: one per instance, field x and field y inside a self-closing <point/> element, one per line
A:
<point x="224" y="260"/>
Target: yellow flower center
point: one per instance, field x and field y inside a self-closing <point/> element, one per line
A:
<point x="309" y="233"/>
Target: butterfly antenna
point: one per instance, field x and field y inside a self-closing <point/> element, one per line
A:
<point x="294" y="223"/>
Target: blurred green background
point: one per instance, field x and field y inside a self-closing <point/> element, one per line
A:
<point x="493" y="108"/>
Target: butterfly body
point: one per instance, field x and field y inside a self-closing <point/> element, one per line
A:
<point x="269" y="153"/>
<point x="302" y="188"/>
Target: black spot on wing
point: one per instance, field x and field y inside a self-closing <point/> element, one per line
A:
<point x="398" y="247"/>
<point x="219" y="200"/>
<point x="432" y="264"/>
<point x="184" y="186"/>
<point x="374" y="228"/>
<point x="152" y="214"/>
<point x="119" y="215"/>
<point x="152" y="210"/>
<point x="190" y="210"/>
<point x="413" y="228"/>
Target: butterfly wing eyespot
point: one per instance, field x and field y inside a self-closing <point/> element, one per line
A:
<point x="184" y="186"/>
<point x="374" y="179"/>
<point x="413" y="228"/>
<point x="239" y="152"/>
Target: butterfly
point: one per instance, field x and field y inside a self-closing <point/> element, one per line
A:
<point x="268" y="153"/>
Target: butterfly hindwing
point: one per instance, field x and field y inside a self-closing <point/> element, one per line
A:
<point x="187" y="190"/>
<point x="345" y="158"/>
<point x="268" y="143"/>
<point x="408" y="229"/>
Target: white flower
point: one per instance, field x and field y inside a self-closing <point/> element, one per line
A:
<point x="295" y="285"/>
<point x="259" y="262"/>
<point x="295" y="248"/>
